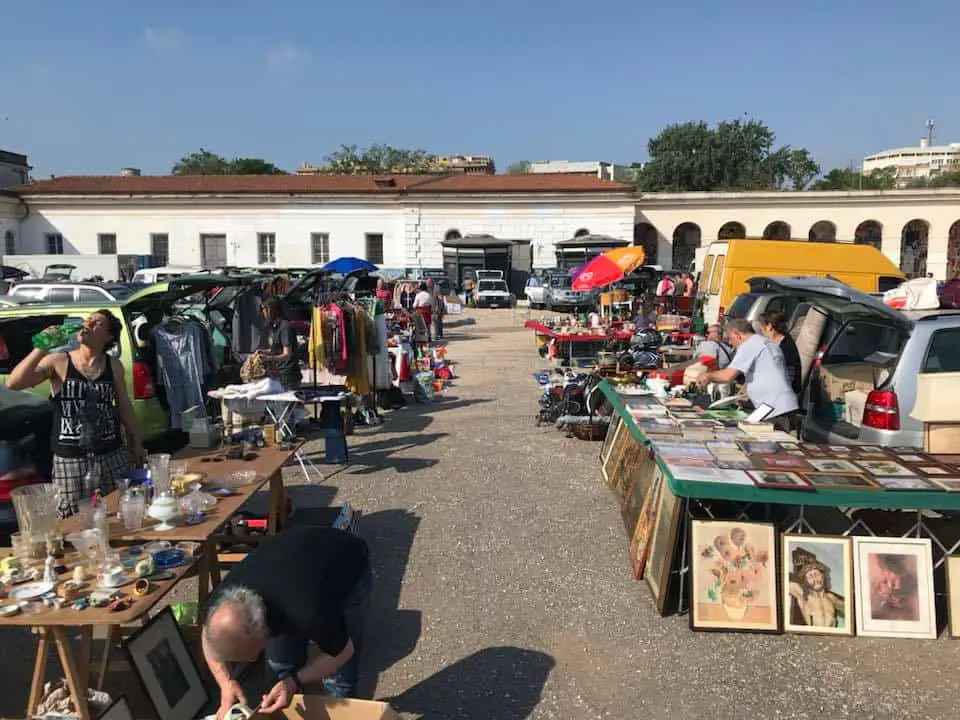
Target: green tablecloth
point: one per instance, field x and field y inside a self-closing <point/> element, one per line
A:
<point x="879" y="499"/>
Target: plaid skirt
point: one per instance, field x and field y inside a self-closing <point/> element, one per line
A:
<point x="69" y="475"/>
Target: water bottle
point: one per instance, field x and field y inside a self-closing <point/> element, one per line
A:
<point x="56" y="337"/>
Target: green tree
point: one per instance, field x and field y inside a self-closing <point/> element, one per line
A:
<point x="379" y="159"/>
<point x="204" y="162"/>
<point x="734" y="155"/>
<point x="519" y="168"/>
<point x="852" y="179"/>
<point x="945" y="179"/>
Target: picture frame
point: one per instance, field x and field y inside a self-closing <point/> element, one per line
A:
<point x="782" y="461"/>
<point x="833" y="465"/>
<point x="612" y="428"/>
<point x="932" y="470"/>
<point x="778" y="479"/>
<point x="606" y="469"/>
<point x="840" y="481"/>
<point x="733" y="576"/>
<point x="760" y="447"/>
<point x="640" y="541"/>
<point x="167" y="669"/>
<point x="951" y="484"/>
<point x="663" y="541"/>
<point x="953" y="595"/>
<point x="119" y="709"/>
<point x="817" y="584"/>
<point x="916" y="484"/>
<point x="885" y="468"/>
<point x="914" y="458"/>
<point x="894" y="587"/>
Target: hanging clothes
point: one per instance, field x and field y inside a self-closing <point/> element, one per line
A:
<point x="357" y="379"/>
<point x="185" y="364"/>
<point x="316" y="348"/>
<point x="247" y="324"/>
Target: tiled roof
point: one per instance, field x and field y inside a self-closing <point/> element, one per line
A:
<point x="314" y="184"/>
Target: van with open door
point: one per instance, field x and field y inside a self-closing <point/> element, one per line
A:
<point x="860" y="360"/>
<point x="729" y="265"/>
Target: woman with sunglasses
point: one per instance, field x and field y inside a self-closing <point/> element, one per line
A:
<point x="91" y="411"/>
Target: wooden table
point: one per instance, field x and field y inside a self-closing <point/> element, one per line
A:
<point x="51" y="625"/>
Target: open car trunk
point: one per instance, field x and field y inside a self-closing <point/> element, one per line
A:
<point x="858" y="341"/>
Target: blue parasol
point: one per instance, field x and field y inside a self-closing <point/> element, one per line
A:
<point x="347" y="265"/>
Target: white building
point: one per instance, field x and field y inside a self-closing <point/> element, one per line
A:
<point x="303" y="220"/>
<point x="12" y="210"/>
<point x="913" y="163"/>
<point x="14" y="169"/>
<point x="593" y="168"/>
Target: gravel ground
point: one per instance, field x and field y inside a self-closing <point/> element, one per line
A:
<point x="503" y="589"/>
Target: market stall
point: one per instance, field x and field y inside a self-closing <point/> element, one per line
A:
<point x="722" y="517"/>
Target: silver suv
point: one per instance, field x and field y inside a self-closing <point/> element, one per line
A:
<point x="559" y="295"/>
<point x="68" y="293"/>
<point x="862" y="380"/>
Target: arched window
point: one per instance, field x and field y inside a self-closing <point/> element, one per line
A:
<point x="452" y="235"/>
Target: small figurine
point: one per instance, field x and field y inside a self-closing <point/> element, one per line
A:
<point x="78" y="574"/>
<point x="49" y="571"/>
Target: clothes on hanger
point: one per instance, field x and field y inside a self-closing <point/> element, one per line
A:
<point x="247" y="324"/>
<point x="186" y="364"/>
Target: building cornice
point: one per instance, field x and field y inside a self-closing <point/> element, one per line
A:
<point x="804" y="198"/>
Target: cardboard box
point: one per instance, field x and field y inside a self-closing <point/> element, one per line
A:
<point x="316" y="707"/>
<point x="838" y="380"/>
<point x="936" y="398"/>
<point x="941" y="438"/>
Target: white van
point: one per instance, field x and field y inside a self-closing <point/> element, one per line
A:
<point x="149" y="276"/>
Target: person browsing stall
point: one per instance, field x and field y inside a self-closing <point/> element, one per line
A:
<point x="773" y="325"/>
<point x="439" y="307"/>
<point x="760" y="363"/>
<point x="281" y="345"/>
<point x="714" y="347"/>
<point x="91" y="411"/>
<point x="304" y="585"/>
<point x="423" y="305"/>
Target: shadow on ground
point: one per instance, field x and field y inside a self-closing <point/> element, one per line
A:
<point x="502" y="683"/>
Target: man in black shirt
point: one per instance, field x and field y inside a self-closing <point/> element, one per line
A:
<point x="302" y="585"/>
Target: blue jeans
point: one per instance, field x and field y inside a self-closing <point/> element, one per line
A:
<point x="286" y="654"/>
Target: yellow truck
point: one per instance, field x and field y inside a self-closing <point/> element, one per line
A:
<point x="729" y="264"/>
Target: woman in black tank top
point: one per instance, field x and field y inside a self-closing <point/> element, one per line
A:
<point x="91" y="411"/>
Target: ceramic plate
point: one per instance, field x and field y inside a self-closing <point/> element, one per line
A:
<point x="30" y="591"/>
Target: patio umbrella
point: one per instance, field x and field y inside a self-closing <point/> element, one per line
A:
<point x="574" y="273"/>
<point x="347" y="265"/>
<point x="609" y="267"/>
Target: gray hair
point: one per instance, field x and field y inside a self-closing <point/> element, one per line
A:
<point x="251" y="613"/>
<point x="739" y="325"/>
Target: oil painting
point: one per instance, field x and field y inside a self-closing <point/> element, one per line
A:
<point x="817" y="586"/>
<point x="894" y="587"/>
<point x="733" y="576"/>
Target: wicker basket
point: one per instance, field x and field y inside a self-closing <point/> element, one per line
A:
<point x="589" y="431"/>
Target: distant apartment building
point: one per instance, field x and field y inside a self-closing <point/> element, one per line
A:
<point x="914" y="163"/>
<point x="14" y="169"/>
<point x="592" y="168"/>
<point x="464" y="164"/>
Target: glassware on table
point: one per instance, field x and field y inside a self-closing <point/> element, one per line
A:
<point x="91" y="544"/>
<point x="133" y="507"/>
<point x="159" y="464"/>
<point x="176" y="470"/>
<point x="36" y="509"/>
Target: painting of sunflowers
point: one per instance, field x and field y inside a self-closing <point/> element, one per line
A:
<point x="733" y="576"/>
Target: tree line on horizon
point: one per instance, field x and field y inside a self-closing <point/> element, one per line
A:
<point x="735" y="155"/>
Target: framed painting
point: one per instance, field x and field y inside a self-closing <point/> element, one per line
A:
<point x="833" y="465"/>
<point x="817" y="584"/>
<point x="663" y="542"/>
<point x="612" y="428"/>
<point x="783" y="461"/>
<point x="639" y="543"/>
<point x="885" y="468"/>
<point x="167" y="669"/>
<point x="840" y="481"/>
<point x="953" y="595"/>
<point x="932" y="470"/>
<point x="779" y="480"/>
<point x="733" y="576"/>
<point x="633" y="462"/>
<point x="616" y="445"/>
<point x="894" y="587"/>
<point x="904" y="483"/>
<point x="948" y="484"/>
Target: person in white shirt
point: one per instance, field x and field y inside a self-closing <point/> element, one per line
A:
<point x="423" y="305"/>
<point x="714" y="347"/>
<point x="761" y="364"/>
<point x="438" y="308"/>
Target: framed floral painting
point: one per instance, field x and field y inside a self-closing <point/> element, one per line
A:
<point x="894" y="587"/>
<point x="733" y="575"/>
<point x="817" y="584"/>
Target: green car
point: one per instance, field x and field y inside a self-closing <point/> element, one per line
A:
<point x="19" y="324"/>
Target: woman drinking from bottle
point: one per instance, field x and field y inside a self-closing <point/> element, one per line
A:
<point x="91" y="410"/>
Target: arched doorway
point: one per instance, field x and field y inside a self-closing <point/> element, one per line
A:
<point x="646" y="236"/>
<point x="732" y="231"/>
<point x="777" y="230"/>
<point x="913" y="248"/>
<point x="953" y="251"/>
<point x="822" y="231"/>
<point x="686" y="240"/>
<point x="581" y="232"/>
<point x="452" y="235"/>
<point x="869" y="232"/>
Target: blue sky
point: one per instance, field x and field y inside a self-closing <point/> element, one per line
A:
<point x="92" y="86"/>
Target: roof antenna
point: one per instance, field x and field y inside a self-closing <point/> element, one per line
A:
<point x="931" y="125"/>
